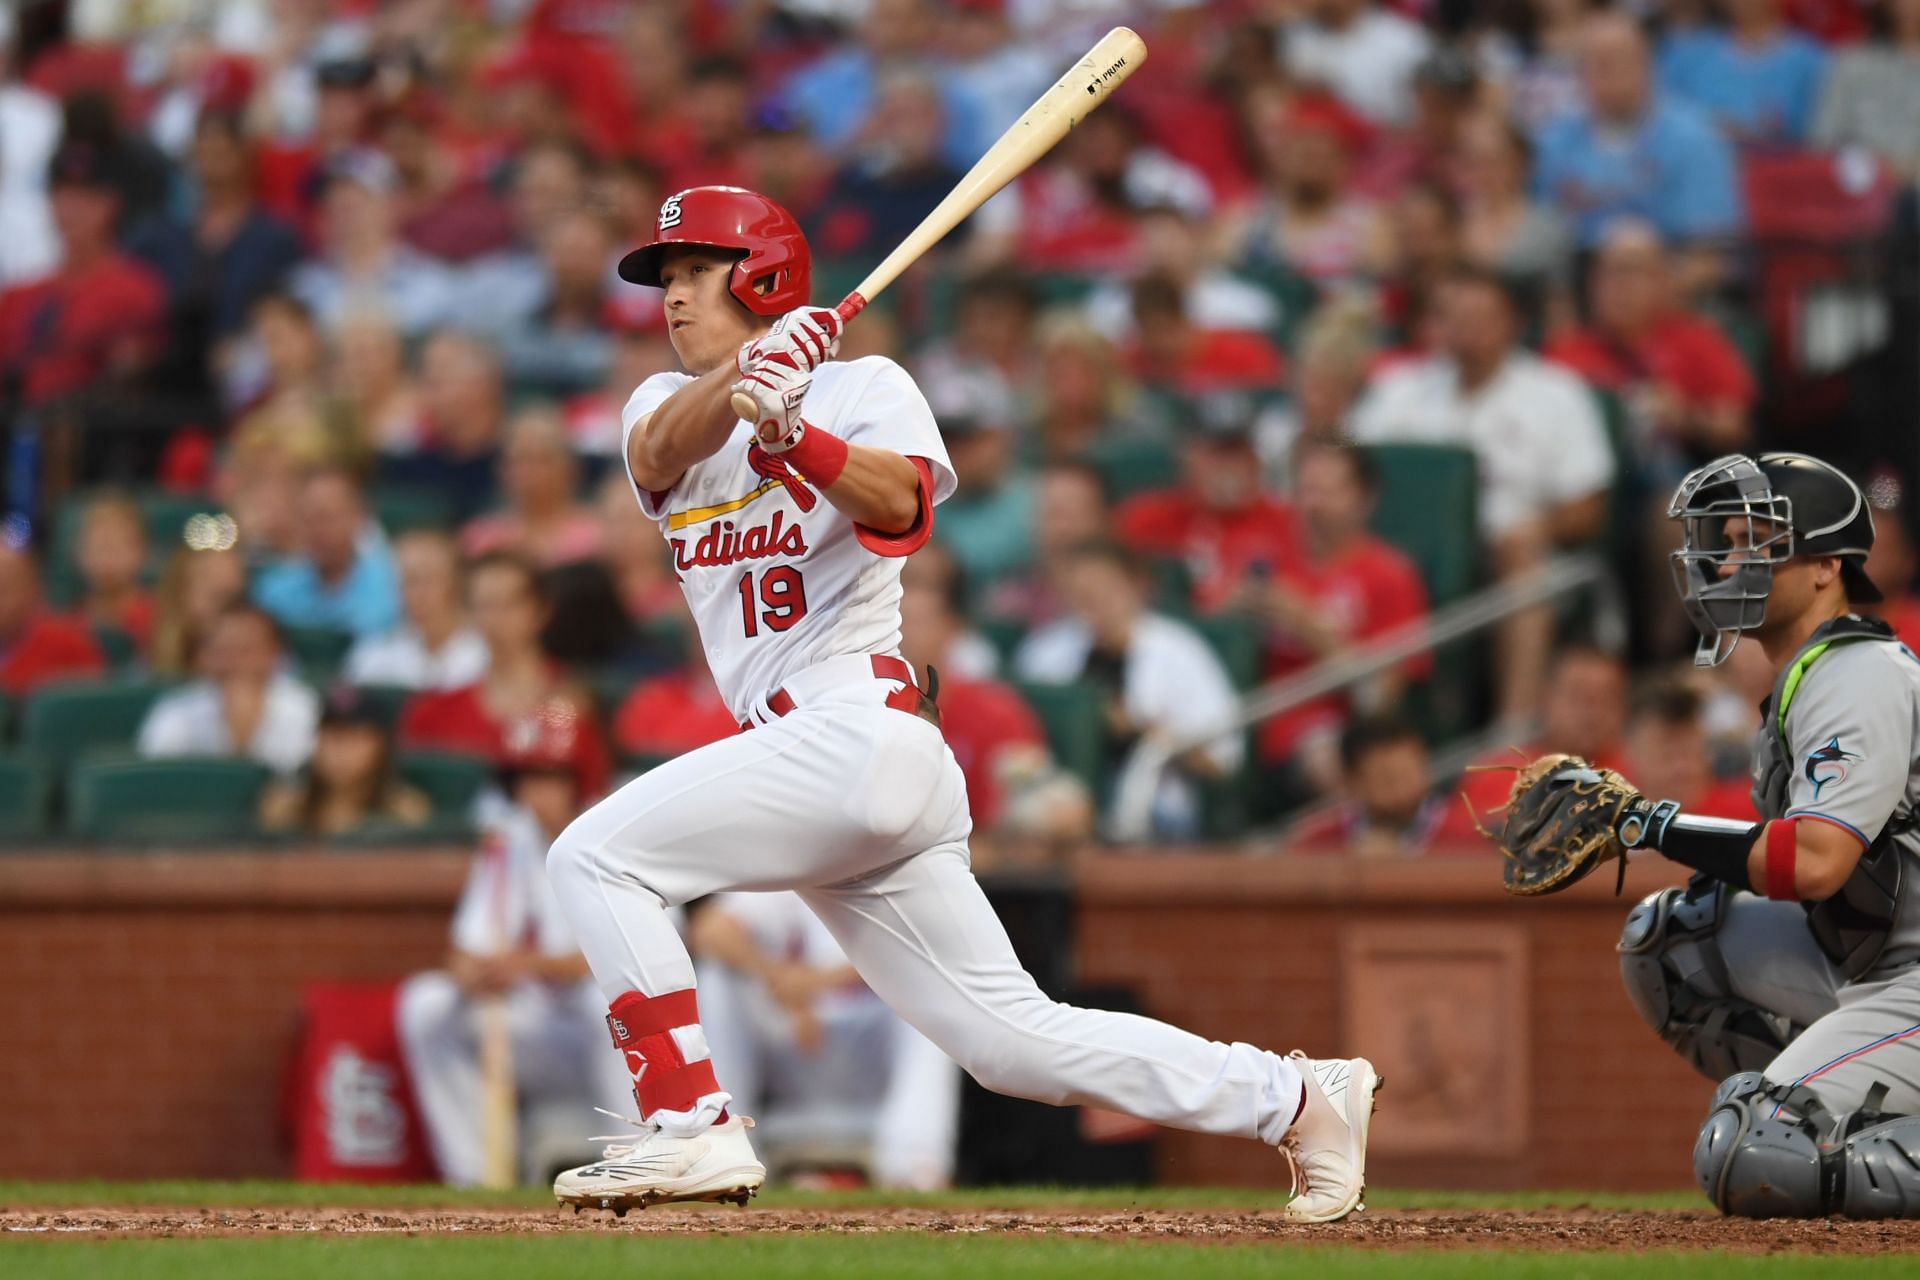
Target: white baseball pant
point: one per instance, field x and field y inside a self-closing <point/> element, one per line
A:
<point x="862" y="809"/>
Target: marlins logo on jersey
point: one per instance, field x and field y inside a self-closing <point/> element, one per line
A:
<point x="1828" y="764"/>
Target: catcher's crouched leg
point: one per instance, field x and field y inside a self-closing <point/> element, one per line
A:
<point x="1773" y="1151"/>
<point x="1677" y="979"/>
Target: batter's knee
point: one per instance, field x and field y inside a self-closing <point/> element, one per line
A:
<point x="1002" y="1050"/>
<point x="1677" y="979"/>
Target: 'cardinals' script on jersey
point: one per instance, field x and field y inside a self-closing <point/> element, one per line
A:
<point x="778" y="577"/>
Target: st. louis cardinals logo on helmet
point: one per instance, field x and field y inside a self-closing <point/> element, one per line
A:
<point x="1828" y="764"/>
<point x="670" y="212"/>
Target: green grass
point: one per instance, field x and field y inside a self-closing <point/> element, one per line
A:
<point x="897" y="1257"/>
<point x="268" y="1194"/>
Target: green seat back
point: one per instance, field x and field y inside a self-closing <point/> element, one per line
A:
<point x="164" y="514"/>
<point x="451" y="779"/>
<point x="1235" y="640"/>
<point x="117" y="647"/>
<point x="385" y="701"/>
<point x="26" y="798"/>
<point x="1134" y="466"/>
<point x="399" y="509"/>
<point x="1004" y="634"/>
<point x="1430" y="508"/>
<point x="187" y="800"/>
<point x="318" y="651"/>
<point x="1070" y="714"/>
<point x="63" y="721"/>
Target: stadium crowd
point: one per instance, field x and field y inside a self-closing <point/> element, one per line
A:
<point x="312" y="357"/>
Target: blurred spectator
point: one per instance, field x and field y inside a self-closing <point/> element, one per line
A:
<point x="111" y="555"/>
<point x="1757" y="77"/>
<point x="196" y="587"/>
<point x="993" y="334"/>
<point x="259" y="480"/>
<point x="1074" y="212"/>
<point x="1532" y="53"/>
<point x="562" y="343"/>
<point x="992" y="67"/>
<point x="1545" y="466"/>
<point x="1218" y="521"/>
<point x="1171" y="353"/>
<point x="350" y="784"/>
<point x="1173" y="247"/>
<point x="676" y="711"/>
<point x="894" y="177"/>
<point x="1667" y="756"/>
<point x="1631" y="150"/>
<point x="542" y="520"/>
<point x="1024" y="807"/>
<point x="1085" y="395"/>
<point x="1426" y="248"/>
<point x="704" y="141"/>
<point x="435" y="647"/>
<point x="226" y="254"/>
<point x="988" y="523"/>
<point x="1686" y="389"/>
<point x="242" y="703"/>
<point x="1892" y="563"/>
<point x="1340" y="586"/>
<point x="1364" y="52"/>
<point x="37" y="647"/>
<point x="781" y="162"/>
<point x="372" y="386"/>
<point x="1872" y="93"/>
<point x="971" y="655"/>
<point x="506" y="288"/>
<point x="30" y="130"/>
<point x="465" y="414"/>
<point x="1156" y="677"/>
<point x="1070" y="508"/>
<point x="1335" y="353"/>
<point x="361" y="263"/>
<point x="511" y="943"/>
<point x="1503" y="228"/>
<point x="817" y="1057"/>
<point x="1447" y="95"/>
<point x="639" y="350"/>
<point x="1306" y="216"/>
<point x="522" y="693"/>
<point x="96" y="318"/>
<point x="840" y="91"/>
<point x="343" y="576"/>
<point x="278" y="375"/>
<point x="1389" y="807"/>
<point x="1582" y="712"/>
<point x="635" y="554"/>
<point x="443" y="207"/>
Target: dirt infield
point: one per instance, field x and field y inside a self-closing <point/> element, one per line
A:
<point x="1553" y="1230"/>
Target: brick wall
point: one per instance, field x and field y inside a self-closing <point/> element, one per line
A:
<point x="147" y="1005"/>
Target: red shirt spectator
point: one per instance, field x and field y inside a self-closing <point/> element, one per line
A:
<point x="1390" y="808"/>
<point x="36" y="647"/>
<point x="672" y="714"/>
<point x="982" y="719"/>
<point x="459" y="720"/>
<point x="1583" y="712"/>
<point x="1171" y="352"/>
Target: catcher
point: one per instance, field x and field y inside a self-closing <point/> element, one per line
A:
<point x="1789" y="967"/>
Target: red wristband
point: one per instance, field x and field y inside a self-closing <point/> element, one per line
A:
<point x="819" y="456"/>
<point x="1783" y="848"/>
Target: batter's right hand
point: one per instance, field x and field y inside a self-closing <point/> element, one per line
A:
<point x="777" y="389"/>
<point x="806" y="336"/>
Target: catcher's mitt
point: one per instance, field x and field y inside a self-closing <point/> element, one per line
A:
<point x="1562" y="821"/>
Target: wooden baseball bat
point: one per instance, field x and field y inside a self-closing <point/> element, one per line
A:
<point x="1088" y="84"/>
<point x="499" y="1119"/>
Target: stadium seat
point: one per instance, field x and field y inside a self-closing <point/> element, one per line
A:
<point x="400" y="509"/>
<point x="1235" y="640"/>
<point x="164" y="514"/>
<point x="26" y="798"/>
<point x="385" y="701"/>
<point x="318" y="650"/>
<point x="452" y="780"/>
<point x="151" y="801"/>
<point x="116" y="646"/>
<point x="1134" y="466"/>
<point x="1070" y="714"/>
<point x="1004" y="634"/>
<point x="1429" y="508"/>
<point x="63" y="721"/>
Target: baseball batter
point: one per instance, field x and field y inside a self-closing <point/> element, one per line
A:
<point x="1789" y="968"/>
<point x="788" y="536"/>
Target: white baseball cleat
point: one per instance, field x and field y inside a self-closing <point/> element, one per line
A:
<point x="649" y="1167"/>
<point x="1327" y="1145"/>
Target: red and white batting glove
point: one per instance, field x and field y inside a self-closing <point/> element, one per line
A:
<point x="777" y="389"/>
<point x="808" y="336"/>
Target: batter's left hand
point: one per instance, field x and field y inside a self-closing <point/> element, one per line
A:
<point x="807" y="336"/>
<point x="777" y="388"/>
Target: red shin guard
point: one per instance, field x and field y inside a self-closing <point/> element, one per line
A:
<point x="665" y="1049"/>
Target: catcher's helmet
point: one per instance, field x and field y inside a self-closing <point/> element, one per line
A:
<point x="1750" y="513"/>
<point x="770" y="242"/>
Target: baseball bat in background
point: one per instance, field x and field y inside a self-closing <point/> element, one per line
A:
<point x="1089" y="83"/>
<point x="499" y="1119"/>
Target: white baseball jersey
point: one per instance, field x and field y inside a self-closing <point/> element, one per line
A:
<point x="779" y="578"/>
<point x="507" y="902"/>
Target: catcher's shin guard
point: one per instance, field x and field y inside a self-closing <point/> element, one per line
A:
<point x="1670" y="962"/>
<point x="1774" y="1151"/>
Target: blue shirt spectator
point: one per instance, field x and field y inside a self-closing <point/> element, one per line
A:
<point x="1759" y="81"/>
<point x="343" y="577"/>
<point x="1630" y="151"/>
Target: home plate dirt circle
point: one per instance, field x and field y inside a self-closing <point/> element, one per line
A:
<point x="1554" y="1230"/>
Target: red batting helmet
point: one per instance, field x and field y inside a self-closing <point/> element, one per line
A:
<point x="732" y="218"/>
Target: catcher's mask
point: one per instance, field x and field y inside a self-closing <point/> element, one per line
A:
<point x="1742" y="515"/>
